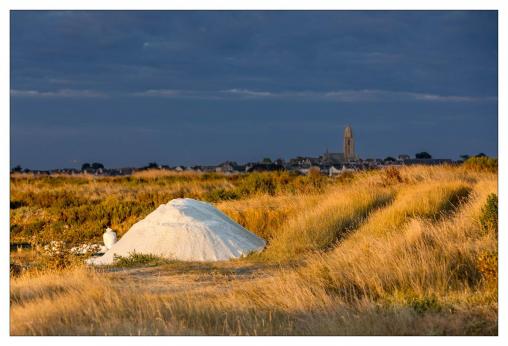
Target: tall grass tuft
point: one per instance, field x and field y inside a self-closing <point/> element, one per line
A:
<point x="323" y="224"/>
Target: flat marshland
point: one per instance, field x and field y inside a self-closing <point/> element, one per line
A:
<point x="407" y="251"/>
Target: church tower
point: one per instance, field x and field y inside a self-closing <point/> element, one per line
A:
<point x="349" y="144"/>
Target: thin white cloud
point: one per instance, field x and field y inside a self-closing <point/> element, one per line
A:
<point x="365" y="95"/>
<point x="373" y="95"/>
<point x="248" y="93"/>
<point x="177" y="93"/>
<point x="368" y="95"/>
<point x="450" y="98"/>
<point x="356" y="95"/>
<point x="63" y="93"/>
<point x="203" y="94"/>
<point x="159" y="93"/>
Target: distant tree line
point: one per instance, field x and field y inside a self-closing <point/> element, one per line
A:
<point x="466" y="156"/>
<point x="423" y="155"/>
<point x="95" y="166"/>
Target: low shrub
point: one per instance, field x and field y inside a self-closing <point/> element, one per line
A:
<point x="136" y="259"/>
<point x="487" y="264"/>
<point x="56" y="256"/>
<point x="221" y="195"/>
<point x="488" y="217"/>
<point x="28" y="230"/>
<point x="422" y="305"/>
<point x="483" y="163"/>
<point x="263" y="183"/>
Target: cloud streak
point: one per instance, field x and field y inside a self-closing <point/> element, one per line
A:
<point x="62" y="93"/>
<point x="341" y="96"/>
<point x="346" y="96"/>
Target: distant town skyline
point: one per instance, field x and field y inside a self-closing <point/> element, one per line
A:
<point x="125" y="88"/>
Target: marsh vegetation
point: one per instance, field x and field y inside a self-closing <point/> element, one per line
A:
<point x="409" y="251"/>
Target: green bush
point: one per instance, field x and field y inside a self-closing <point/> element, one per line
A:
<point x="483" y="163"/>
<point x="221" y="195"/>
<point x="273" y="183"/>
<point x="488" y="217"/>
<point x="27" y="231"/>
<point x="425" y="304"/>
<point x="135" y="259"/>
<point x="257" y="183"/>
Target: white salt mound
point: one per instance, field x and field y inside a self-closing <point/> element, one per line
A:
<point x="188" y="230"/>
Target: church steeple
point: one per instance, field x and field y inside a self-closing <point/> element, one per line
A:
<point x="349" y="144"/>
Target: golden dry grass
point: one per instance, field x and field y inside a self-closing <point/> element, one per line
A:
<point x="329" y="219"/>
<point x="264" y="214"/>
<point x="378" y="257"/>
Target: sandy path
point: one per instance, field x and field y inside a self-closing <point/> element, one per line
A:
<point x="185" y="278"/>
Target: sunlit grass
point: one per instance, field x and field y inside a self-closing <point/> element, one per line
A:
<point x="371" y="256"/>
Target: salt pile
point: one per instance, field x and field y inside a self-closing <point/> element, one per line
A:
<point x="187" y="230"/>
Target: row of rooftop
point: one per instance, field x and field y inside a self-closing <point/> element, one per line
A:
<point x="327" y="164"/>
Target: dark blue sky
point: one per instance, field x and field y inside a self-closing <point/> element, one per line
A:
<point x="201" y="87"/>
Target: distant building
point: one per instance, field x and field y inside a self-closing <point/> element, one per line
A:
<point x="334" y="171"/>
<point x="403" y="157"/>
<point x="280" y="162"/>
<point x="261" y="167"/>
<point x="349" y="144"/>
<point x="332" y="158"/>
<point x="197" y="169"/>
<point x="228" y="166"/>
<point x="304" y="161"/>
<point x="348" y="155"/>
